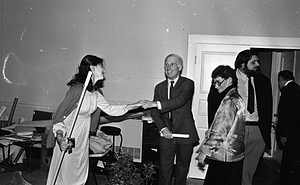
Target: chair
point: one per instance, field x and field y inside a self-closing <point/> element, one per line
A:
<point x="29" y="145"/>
<point x="41" y="115"/>
<point x="4" y="132"/>
<point x="113" y="131"/>
<point x="108" y="157"/>
<point x="46" y="154"/>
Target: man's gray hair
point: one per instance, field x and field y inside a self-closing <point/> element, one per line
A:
<point x="179" y="59"/>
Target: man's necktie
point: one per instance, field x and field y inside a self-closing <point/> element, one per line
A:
<point x="171" y="89"/>
<point x="170" y="96"/>
<point x="250" y="106"/>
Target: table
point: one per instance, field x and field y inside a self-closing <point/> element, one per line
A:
<point x="23" y="142"/>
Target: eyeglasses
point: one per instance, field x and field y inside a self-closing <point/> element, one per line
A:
<point x="217" y="82"/>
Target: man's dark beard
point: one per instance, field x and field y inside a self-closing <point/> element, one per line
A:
<point x="249" y="72"/>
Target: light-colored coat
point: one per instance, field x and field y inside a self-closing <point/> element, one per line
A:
<point x="225" y="138"/>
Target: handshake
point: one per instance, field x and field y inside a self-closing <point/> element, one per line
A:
<point x="146" y="104"/>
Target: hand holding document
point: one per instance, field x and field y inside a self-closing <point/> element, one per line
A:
<point x="147" y="118"/>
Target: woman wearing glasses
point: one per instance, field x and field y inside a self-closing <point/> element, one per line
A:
<point x="223" y="143"/>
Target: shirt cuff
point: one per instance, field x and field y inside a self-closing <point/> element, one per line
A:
<point x="162" y="130"/>
<point x="158" y="105"/>
<point x="59" y="126"/>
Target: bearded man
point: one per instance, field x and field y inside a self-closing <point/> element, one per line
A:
<point x="256" y="91"/>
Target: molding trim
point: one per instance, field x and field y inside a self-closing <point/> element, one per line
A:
<point x="266" y="42"/>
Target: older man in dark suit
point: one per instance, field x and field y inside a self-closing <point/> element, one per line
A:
<point x="255" y="89"/>
<point x="288" y="128"/>
<point x="173" y="100"/>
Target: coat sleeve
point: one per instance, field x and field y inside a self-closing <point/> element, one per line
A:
<point x="155" y="113"/>
<point x="112" y="110"/>
<point x="185" y="95"/>
<point x="222" y="124"/>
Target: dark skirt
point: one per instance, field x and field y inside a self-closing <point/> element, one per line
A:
<point x="225" y="173"/>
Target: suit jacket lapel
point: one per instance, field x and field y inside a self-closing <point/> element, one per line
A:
<point x="177" y="86"/>
<point x="257" y="87"/>
<point x="165" y="90"/>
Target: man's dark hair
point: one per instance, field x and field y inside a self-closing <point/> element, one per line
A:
<point x="243" y="57"/>
<point x="286" y="75"/>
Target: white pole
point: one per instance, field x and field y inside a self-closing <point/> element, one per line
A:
<point x="69" y="134"/>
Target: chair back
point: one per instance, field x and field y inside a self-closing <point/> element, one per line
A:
<point x="42" y="115"/>
<point x="113" y="131"/>
<point x="12" y="112"/>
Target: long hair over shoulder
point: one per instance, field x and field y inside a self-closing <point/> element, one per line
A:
<point x="84" y="68"/>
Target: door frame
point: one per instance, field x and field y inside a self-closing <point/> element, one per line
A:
<point x="253" y="42"/>
<point x="250" y="42"/>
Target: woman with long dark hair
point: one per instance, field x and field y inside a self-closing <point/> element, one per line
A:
<point x="75" y="165"/>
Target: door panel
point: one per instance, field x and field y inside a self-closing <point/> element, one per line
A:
<point x="208" y="58"/>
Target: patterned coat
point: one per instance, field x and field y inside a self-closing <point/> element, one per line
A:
<point x="225" y="138"/>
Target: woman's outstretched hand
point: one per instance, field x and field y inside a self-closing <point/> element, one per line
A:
<point x="134" y="105"/>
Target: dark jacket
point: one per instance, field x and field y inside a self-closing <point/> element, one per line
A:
<point x="288" y="125"/>
<point x="264" y="98"/>
<point x="181" y="105"/>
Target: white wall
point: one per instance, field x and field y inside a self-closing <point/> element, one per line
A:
<point x="42" y="42"/>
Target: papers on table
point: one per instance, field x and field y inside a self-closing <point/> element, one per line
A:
<point x="13" y="137"/>
<point x="25" y="134"/>
<point x="9" y="128"/>
<point x="22" y="132"/>
<point x="7" y="139"/>
<point x="5" y="142"/>
<point x="39" y="123"/>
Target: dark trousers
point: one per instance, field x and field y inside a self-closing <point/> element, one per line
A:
<point x="168" y="149"/>
<point x="290" y="165"/>
<point x="225" y="173"/>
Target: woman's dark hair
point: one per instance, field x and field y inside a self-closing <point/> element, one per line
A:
<point x="84" y="68"/>
<point x="243" y="57"/>
<point x="225" y="72"/>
